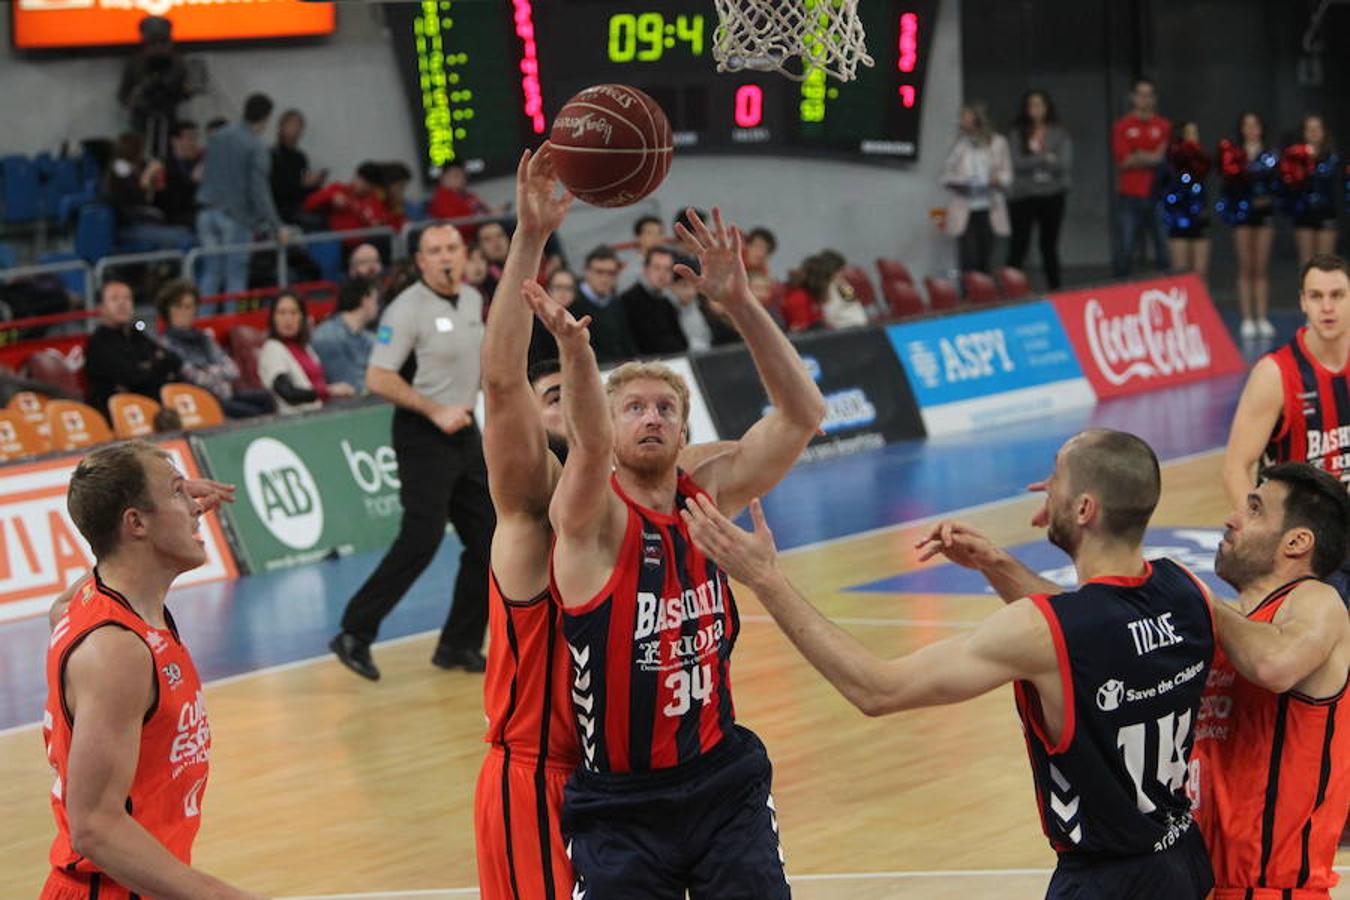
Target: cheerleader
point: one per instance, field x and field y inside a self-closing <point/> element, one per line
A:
<point x="1311" y="173"/>
<point x="1250" y="172"/>
<point x="1184" y="205"/>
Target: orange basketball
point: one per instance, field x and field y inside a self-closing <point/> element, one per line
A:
<point x="611" y="145"/>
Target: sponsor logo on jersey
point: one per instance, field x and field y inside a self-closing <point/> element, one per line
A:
<point x="192" y="800"/>
<point x="1110" y="694"/>
<point x="652" y="549"/>
<point x="655" y="615"/>
<point x="156" y="642"/>
<point x="283" y="493"/>
<point x="173" y="674"/>
<point x="192" y="743"/>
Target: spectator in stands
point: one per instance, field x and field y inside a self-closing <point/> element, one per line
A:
<point x="760" y="245"/>
<point x="1139" y="142"/>
<point x="288" y="365"/>
<point x="355" y="204"/>
<point x="657" y="321"/>
<point x="183" y="169"/>
<point x="1042" y="160"/>
<point x="765" y="289"/>
<point x="343" y="341"/>
<point x="120" y="356"/>
<point x="647" y="233"/>
<point x="205" y="364"/>
<point x="704" y="322"/>
<point x="215" y="124"/>
<point x="978" y="174"/>
<point x="562" y="287"/>
<point x="365" y="262"/>
<point x="495" y="244"/>
<point x="597" y="298"/>
<point x="478" y="273"/>
<point x="292" y="178"/>
<point x="236" y="197"/>
<point x="452" y="199"/>
<point x="821" y="296"/>
<point x="397" y="177"/>
<point x="132" y="186"/>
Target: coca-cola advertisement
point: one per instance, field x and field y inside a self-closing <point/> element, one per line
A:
<point x="1147" y="334"/>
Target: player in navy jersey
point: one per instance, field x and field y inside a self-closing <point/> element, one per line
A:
<point x="672" y="795"/>
<point x="1107" y="677"/>
<point x="1296" y="404"/>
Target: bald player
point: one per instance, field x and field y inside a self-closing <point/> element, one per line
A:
<point x="1109" y="759"/>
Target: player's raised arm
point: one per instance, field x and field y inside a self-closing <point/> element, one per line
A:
<point x="582" y="497"/>
<point x="1279" y="655"/>
<point x="1253" y="422"/>
<point x="1014" y="643"/>
<point x="514" y="444"/>
<point x="766" y="452"/>
<point x="110" y="685"/>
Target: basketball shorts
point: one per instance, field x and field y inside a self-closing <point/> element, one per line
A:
<point x="1180" y="873"/>
<point x="77" y="886"/>
<point x="518" y="829"/>
<point x="707" y="827"/>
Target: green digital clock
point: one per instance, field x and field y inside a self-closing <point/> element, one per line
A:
<point x="645" y="37"/>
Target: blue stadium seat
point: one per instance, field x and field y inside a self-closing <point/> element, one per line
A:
<point x="415" y="210"/>
<point x="72" y="279"/>
<point x="95" y="231"/>
<point x="328" y="256"/>
<point x="20" y="191"/>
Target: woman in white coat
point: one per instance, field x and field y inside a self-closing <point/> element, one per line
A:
<point x="288" y="365"/>
<point x="978" y="174"/>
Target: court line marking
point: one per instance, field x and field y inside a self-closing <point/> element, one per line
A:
<point x="827" y="876"/>
<point x="815" y="545"/>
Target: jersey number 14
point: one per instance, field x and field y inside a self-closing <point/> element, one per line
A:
<point x="1132" y="740"/>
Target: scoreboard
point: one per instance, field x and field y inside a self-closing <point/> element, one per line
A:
<point x="485" y="78"/>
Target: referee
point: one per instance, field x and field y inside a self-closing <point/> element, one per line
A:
<point x="425" y="362"/>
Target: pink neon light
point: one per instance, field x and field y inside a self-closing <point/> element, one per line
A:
<point x="749" y="106"/>
<point x="907" y="96"/>
<point x="529" y="65"/>
<point x="909" y="42"/>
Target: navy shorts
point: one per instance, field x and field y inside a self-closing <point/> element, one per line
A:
<point x="706" y="827"/>
<point x="1182" y="872"/>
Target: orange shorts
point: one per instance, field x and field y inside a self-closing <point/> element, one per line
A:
<point x="70" y="886"/>
<point x="518" y="827"/>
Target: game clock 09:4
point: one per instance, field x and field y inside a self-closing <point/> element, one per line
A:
<point x="646" y="36"/>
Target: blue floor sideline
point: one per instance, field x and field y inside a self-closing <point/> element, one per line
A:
<point x="280" y="617"/>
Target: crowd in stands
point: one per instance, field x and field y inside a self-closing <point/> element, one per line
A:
<point x="1015" y="185"/>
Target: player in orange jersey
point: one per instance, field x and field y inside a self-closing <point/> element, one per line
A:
<point x="527" y="689"/>
<point x="1271" y="775"/>
<point x="125" y="724"/>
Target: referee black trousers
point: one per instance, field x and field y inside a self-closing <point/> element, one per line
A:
<point x="441" y="477"/>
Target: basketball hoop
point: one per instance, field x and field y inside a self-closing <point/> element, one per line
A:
<point x="767" y="35"/>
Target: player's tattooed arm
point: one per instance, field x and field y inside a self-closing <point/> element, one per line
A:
<point x="964" y="545"/>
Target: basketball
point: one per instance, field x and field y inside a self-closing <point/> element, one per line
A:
<point x="612" y="145"/>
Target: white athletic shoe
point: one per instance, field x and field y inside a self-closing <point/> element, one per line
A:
<point x="1265" y="329"/>
<point x="1248" y="330"/>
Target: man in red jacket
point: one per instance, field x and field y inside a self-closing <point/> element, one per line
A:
<point x="1139" y="141"/>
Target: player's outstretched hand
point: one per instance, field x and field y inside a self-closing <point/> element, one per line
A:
<point x="559" y="322"/>
<point x="210" y="494"/>
<point x="540" y="210"/>
<point x="750" y="558"/>
<point x="960" y="543"/>
<point x="1041" y="519"/>
<point x="721" y="276"/>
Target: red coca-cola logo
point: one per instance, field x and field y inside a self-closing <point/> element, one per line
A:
<point x="1156" y="341"/>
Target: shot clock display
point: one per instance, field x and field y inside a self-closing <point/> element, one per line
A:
<point x="485" y="78"/>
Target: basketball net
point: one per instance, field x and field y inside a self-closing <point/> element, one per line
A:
<point x="767" y="35"/>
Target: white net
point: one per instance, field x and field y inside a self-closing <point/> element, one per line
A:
<point x="793" y="37"/>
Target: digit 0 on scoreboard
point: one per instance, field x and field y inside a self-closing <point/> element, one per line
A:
<point x="749" y="106"/>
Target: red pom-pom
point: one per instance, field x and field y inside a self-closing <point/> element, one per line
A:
<point x="1232" y="159"/>
<point x="1297" y="164"/>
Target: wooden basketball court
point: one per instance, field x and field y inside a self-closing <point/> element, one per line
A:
<point x="324" y="785"/>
